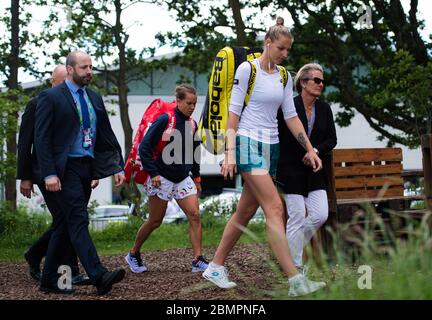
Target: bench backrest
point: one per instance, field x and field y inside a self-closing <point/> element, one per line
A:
<point x="366" y="173"/>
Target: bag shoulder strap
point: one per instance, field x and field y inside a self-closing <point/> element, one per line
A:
<point x="284" y="74"/>
<point x="251" y="82"/>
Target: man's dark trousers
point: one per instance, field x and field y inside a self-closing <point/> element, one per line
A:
<point x="73" y="223"/>
<point x="39" y="249"/>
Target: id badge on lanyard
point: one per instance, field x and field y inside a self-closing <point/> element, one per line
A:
<point x="87" y="138"/>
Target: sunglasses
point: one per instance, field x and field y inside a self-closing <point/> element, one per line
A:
<point x="316" y="80"/>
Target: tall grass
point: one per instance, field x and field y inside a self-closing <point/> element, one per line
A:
<point x="400" y="260"/>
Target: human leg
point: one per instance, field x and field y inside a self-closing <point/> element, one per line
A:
<point x="246" y="209"/>
<point x="74" y="196"/>
<point x="190" y="207"/>
<point x="296" y="208"/>
<point x="157" y="208"/>
<point x="73" y="199"/>
<point x="317" y="209"/>
<point x="265" y="192"/>
<point x="69" y="256"/>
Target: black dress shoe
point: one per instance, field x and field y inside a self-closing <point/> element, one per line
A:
<point x="55" y="289"/>
<point x="81" y="280"/>
<point x="109" y="278"/>
<point x="34" y="266"/>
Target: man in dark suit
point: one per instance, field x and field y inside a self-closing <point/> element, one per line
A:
<point x="75" y="144"/>
<point x="28" y="173"/>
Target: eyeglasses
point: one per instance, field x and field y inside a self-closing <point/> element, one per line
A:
<point x="316" y="80"/>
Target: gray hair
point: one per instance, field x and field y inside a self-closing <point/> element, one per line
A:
<point x="182" y="89"/>
<point x="303" y="73"/>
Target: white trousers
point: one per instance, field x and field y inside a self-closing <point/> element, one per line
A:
<point x="301" y="228"/>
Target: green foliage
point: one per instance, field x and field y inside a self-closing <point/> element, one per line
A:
<point x="20" y="228"/>
<point x="199" y="38"/>
<point x="27" y="38"/>
<point x="353" y="55"/>
<point x="11" y="102"/>
<point x="91" y="207"/>
<point x="404" y="83"/>
<point x="373" y="69"/>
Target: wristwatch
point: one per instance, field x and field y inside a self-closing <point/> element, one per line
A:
<point x="316" y="150"/>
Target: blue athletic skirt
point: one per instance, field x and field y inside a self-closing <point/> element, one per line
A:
<point x="252" y="154"/>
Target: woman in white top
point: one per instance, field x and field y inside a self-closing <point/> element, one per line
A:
<point x="252" y="149"/>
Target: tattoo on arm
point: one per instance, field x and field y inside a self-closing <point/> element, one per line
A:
<point x="301" y="139"/>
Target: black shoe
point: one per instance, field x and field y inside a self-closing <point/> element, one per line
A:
<point x="109" y="278"/>
<point x="55" y="289"/>
<point x="81" y="280"/>
<point x="34" y="266"/>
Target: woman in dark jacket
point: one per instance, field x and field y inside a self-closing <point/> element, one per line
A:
<point x="305" y="190"/>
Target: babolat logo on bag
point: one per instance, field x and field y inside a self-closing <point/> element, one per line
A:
<point x="214" y="118"/>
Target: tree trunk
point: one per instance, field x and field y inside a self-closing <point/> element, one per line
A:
<point x="121" y="81"/>
<point x="11" y="193"/>
<point x="239" y="24"/>
<point x="133" y="193"/>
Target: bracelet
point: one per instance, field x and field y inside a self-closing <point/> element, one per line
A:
<point x="197" y="179"/>
<point x="229" y="149"/>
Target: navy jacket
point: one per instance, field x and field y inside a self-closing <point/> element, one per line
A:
<point x="182" y="150"/>
<point x="56" y="126"/>
<point x="27" y="166"/>
<point x="293" y="175"/>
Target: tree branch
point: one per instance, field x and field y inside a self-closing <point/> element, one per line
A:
<point x="135" y="2"/>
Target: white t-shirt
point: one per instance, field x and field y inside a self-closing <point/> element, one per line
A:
<point x="259" y="119"/>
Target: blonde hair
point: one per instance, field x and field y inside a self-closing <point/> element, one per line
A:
<point x="278" y="30"/>
<point x="182" y="89"/>
<point x="303" y="73"/>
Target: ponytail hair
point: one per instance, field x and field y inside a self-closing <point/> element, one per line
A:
<point x="278" y="30"/>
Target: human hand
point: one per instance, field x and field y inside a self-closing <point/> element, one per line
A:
<point x="199" y="188"/>
<point x="119" y="179"/>
<point x="312" y="159"/>
<point x="94" y="183"/>
<point x="156" y="181"/>
<point x="26" y="188"/>
<point x="53" y="184"/>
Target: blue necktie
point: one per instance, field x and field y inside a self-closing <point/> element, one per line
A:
<point x="84" y="109"/>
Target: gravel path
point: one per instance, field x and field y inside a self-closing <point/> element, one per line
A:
<point x="169" y="277"/>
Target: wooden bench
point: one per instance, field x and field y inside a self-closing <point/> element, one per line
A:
<point x="361" y="178"/>
<point x="366" y="175"/>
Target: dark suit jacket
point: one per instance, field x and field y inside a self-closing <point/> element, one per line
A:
<point x="56" y="127"/>
<point x="27" y="166"/>
<point x="294" y="176"/>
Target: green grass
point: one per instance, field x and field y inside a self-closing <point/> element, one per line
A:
<point x="117" y="238"/>
<point x="401" y="269"/>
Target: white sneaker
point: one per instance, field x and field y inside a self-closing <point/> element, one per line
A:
<point x="135" y="263"/>
<point x="304" y="269"/>
<point x="219" y="276"/>
<point x="300" y="286"/>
